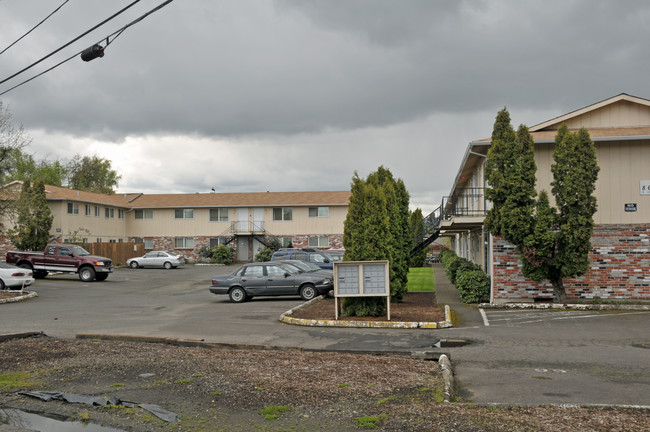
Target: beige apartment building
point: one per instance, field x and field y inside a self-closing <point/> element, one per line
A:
<point x="620" y="255"/>
<point x="185" y="223"/>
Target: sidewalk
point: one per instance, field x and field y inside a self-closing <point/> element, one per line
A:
<point x="447" y="294"/>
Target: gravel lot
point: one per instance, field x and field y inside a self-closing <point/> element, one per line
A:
<point x="215" y="390"/>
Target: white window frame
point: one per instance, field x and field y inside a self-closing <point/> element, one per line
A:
<point x="148" y="243"/>
<point x="286" y="213"/>
<point x="143" y="213"/>
<point x="98" y="212"/>
<point x="73" y="208"/>
<point x="86" y="209"/>
<point x="222" y="214"/>
<point x="109" y="213"/>
<point x="319" y="212"/>
<point x="184" y="242"/>
<point x="185" y="213"/>
<point x="120" y="213"/>
<point x="319" y="241"/>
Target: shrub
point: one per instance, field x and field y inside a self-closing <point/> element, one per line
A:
<point x="363" y="306"/>
<point x="473" y="285"/>
<point x="222" y="254"/>
<point x="264" y="254"/>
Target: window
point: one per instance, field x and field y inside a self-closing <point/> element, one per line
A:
<point x="287" y="241"/>
<point x="319" y="212"/>
<point x="253" y="271"/>
<point x="277" y="271"/>
<point x="120" y="213"/>
<point x="99" y="239"/>
<point x="219" y="215"/>
<point x="144" y="214"/>
<point x="319" y="241"/>
<point x="109" y="213"/>
<point x="282" y="213"/>
<point x="97" y="211"/>
<point x="73" y="208"/>
<point x="216" y="241"/>
<point x="185" y="242"/>
<point x="87" y="210"/>
<point x="148" y="243"/>
<point x="184" y="213"/>
<point x="112" y="241"/>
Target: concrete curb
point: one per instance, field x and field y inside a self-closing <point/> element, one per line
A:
<point x="572" y="306"/>
<point x="448" y="376"/>
<point x="288" y="319"/>
<point x="28" y="295"/>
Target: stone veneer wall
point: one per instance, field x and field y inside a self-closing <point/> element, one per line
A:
<point x="620" y="269"/>
<point x="192" y="255"/>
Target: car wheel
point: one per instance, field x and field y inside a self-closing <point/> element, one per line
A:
<point x="308" y="292"/>
<point x="167" y="265"/>
<point x="2" y="285"/>
<point x="40" y="274"/>
<point x="87" y="274"/>
<point x="237" y="295"/>
<point x="134" y="265"/>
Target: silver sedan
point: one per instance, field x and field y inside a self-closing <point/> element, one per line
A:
<point x="161" y="259"/>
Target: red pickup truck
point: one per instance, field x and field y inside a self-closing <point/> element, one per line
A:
<point x="63" y="258"/>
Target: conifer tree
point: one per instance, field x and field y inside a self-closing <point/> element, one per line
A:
<point x="33" y="218"/>
<point x="553" y="243"/>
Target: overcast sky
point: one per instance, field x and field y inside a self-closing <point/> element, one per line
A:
<point x="295" y="95"/>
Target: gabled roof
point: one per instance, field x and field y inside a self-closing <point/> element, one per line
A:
<point x="557" y="121"/>
<point x="140" y="200"/>
<point x="248" y="199"/>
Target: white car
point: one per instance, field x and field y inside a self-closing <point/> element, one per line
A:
<point x="12" y="277"/>
<point x="166" y="260"/>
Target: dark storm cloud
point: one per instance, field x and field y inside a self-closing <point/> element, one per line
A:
<point x="235" y="68"/>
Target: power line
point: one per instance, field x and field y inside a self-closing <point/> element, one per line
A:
<point x="115" y="34"/>
<point x="33" y="28"/>
<point x="71" y="42"/>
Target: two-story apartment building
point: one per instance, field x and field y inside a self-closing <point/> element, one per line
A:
<point x="620" y="254"/>
<point x="187" y="222"/>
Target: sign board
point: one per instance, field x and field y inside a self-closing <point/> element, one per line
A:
<point x="630" y="207"/>
<point x="361" y="279"/>
<point x="644" y="186"/>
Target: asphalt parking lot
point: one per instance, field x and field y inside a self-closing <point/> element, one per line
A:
<point x="520" y="357"/>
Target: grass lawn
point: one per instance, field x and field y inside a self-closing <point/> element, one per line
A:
<point x="420" y="279"/>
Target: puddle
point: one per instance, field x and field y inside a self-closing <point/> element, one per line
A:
<point x="48" y="422"/>
<point x="448" y="343"/>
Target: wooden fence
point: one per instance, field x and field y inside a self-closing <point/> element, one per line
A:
<point x="118" y="252"/>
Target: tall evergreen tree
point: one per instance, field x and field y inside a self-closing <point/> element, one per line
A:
<point x="33" y="218"/>
<point x="377" y="228"/>
<point x="553" y="243"/>
<point x="416" y="222"/>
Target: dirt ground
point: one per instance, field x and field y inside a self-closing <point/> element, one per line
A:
<point x="284" y="390"/>
<point x="415" y="307"/>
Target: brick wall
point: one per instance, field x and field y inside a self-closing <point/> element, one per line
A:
<point x="620" y="269"/>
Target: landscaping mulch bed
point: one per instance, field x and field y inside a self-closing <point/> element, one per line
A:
<point x="415" y="307"/>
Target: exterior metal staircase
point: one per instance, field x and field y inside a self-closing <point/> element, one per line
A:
<point x="431" y="231"/>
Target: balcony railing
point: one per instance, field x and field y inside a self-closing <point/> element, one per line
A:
<point x="465" y="202"/>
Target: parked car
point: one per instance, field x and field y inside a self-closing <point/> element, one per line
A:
<point x="14" y="277"/>
<point x="307" y="267"/>
<point x="162" y="259"/>
<point x="336" y="254"/>
<point x="316" y="256"/>
<point x="270" y="279"/>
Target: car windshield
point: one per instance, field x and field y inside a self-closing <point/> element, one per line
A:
<point x="79" y="251"/>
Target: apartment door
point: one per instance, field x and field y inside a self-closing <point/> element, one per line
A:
<point x="242" y="220"/>
<point x="242" y="248"/>
<point x="258" y="219"/>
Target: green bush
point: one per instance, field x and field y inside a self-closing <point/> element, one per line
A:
<point x="222" y="254"/>
<point x="473" y="285"/>
<point x="363" y="306"/>
<point x="264" y="254"/>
